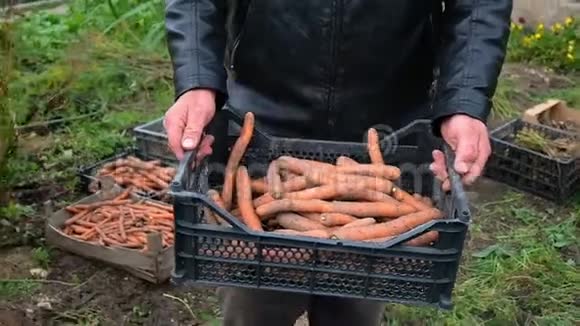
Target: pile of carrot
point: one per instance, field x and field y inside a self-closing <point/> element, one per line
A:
<point x="344" y="200"/>
<point x="142" y="176"/>
<point x="122" y="222"/>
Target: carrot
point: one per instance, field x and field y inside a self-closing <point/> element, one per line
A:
<point x="407" y="198"/>
<point x="360" y="222"/>
<point x="319" y="233"/>
<point x="367" y="195"/>
<point x="76" y="217"/>
<point x="321" y="177"/>
<point x="259" y="186"/>
<point x="264" y="199"/>
<point x="373" y="147"/>
<point x="391" y="228"/>
<point x="328" y="191"/>
<point x="319" y="206"/>
<point x="158" y="182"/>
<point x="236" y="155"/>
<point x="292" y="185"/>
<point x="300" y="166"/>
<point x="345" y="161"/>
<point x="424" y="239"/>
<point x="312" y="216"/>
<point x="209" y="217"/>
<point x="244" y="198"/>
<point x="121" y="227"/>
<point x="216" y="198"/>
<point x="373" y="170"/>
<point x="274" y="180"/>
<point x="334" y="219"/>
<point x="296" y="222"/>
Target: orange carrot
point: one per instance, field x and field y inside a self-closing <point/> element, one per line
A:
<point x="328" y="191"/>
<point x="259" y="186"/>
<point x="321" y="177"/>
<point x="360" y="222"/>
<point x="424" y="239"/>
<point x="216" y="198"/>
<point x="319" y="233"/>
<point x="335" y="219"/>
<point x="244" y="198"/>
<point x="391" y="228"/>
<point x="236" y="155"/>
<point x="376" y="209"/>
<point x="300" y="166"/>
<point x="407" y="198"/>
<point x="374" y="148"/>
<point x="274" y="180"/>
<point x="296" y="222"/>
<point x="77" y="217"/>
<point x="372" y="170"/>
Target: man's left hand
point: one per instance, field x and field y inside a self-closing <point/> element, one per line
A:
<point x="469" y="139"/>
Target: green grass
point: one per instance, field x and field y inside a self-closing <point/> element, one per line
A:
<point x="41" y="256"/>
<point x="526" y="277"/>
<point x="14" y="211"/>
<point x="10" y="289"/>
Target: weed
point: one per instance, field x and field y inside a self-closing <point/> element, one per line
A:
<point x="14" y="211"/>
<point x="504" y="106"/>
<point x="12" y="290"/>
<point x="521" y="279"/>
<point x="41" y="256"/>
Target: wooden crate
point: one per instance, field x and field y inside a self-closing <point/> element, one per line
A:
<point x="154" y="265"/>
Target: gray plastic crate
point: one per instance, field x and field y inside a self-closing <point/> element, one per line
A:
<point x="151" y="141"/>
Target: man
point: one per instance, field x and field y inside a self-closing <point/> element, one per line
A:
<point x="329" y="69"/>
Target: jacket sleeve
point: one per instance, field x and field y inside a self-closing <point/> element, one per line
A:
<point x="196" y="39"/>
<point x="474" y="35"/>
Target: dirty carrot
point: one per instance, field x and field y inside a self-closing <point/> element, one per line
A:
<point x="244" y="199"/>
<point x="335" y="219"/>
<point x="328" y="191"/>
<point x="296" y="222"/>
<point x="361" y="209"/>
<point x="373" y="170"/>
<point x="391" y="228"/>
<point x="407" y="198"/>
<point x="236" y="155"/>
<point x="424" y="239"/>
<point x="259" y="186"/>
<point x="274" y="180"/>
<point x="373" y="147"/>
<point x="360" y="222"/>
<point x="319" y="233"/>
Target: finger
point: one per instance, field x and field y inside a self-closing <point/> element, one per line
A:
<point x="205" y="147"/>
<point x="174" y="125"/>
<point x="466" y="153"/>
<point x="476" y="170"/>
<point x="446" y="186"/>
<point x="438" y="167"/>
<point x="193" y="130"/>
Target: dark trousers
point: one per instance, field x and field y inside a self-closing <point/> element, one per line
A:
<point x="250" y="307"/>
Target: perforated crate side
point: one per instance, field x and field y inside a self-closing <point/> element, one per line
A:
<point x="530" y="171"/>
<point x="222" y="256"/>
<point x="151" y="140"/>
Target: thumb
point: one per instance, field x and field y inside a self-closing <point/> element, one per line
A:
<point x="465" y="154"/>
<point x="192" y="131"/>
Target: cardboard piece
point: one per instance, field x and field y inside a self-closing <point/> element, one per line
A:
<point x="155" y="265"/>
<point x="553" y="111"/>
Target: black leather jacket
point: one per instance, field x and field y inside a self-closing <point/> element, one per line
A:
<point x="332" y="68"/>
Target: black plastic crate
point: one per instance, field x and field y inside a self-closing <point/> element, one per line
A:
<point x="532" y="171"/>
<point x="389" y="271"/>
<point x="87" y="174"/>
<point x="151" y="140"/>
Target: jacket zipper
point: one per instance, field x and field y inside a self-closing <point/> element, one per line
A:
<point x="239" y="37"/>
<point x="336" y="13"/>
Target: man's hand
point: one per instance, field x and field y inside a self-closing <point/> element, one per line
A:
<point x="185" y="121"/>
<point x="469" y="139"/>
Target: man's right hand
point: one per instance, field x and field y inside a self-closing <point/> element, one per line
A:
<point x="185" y="121"/>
